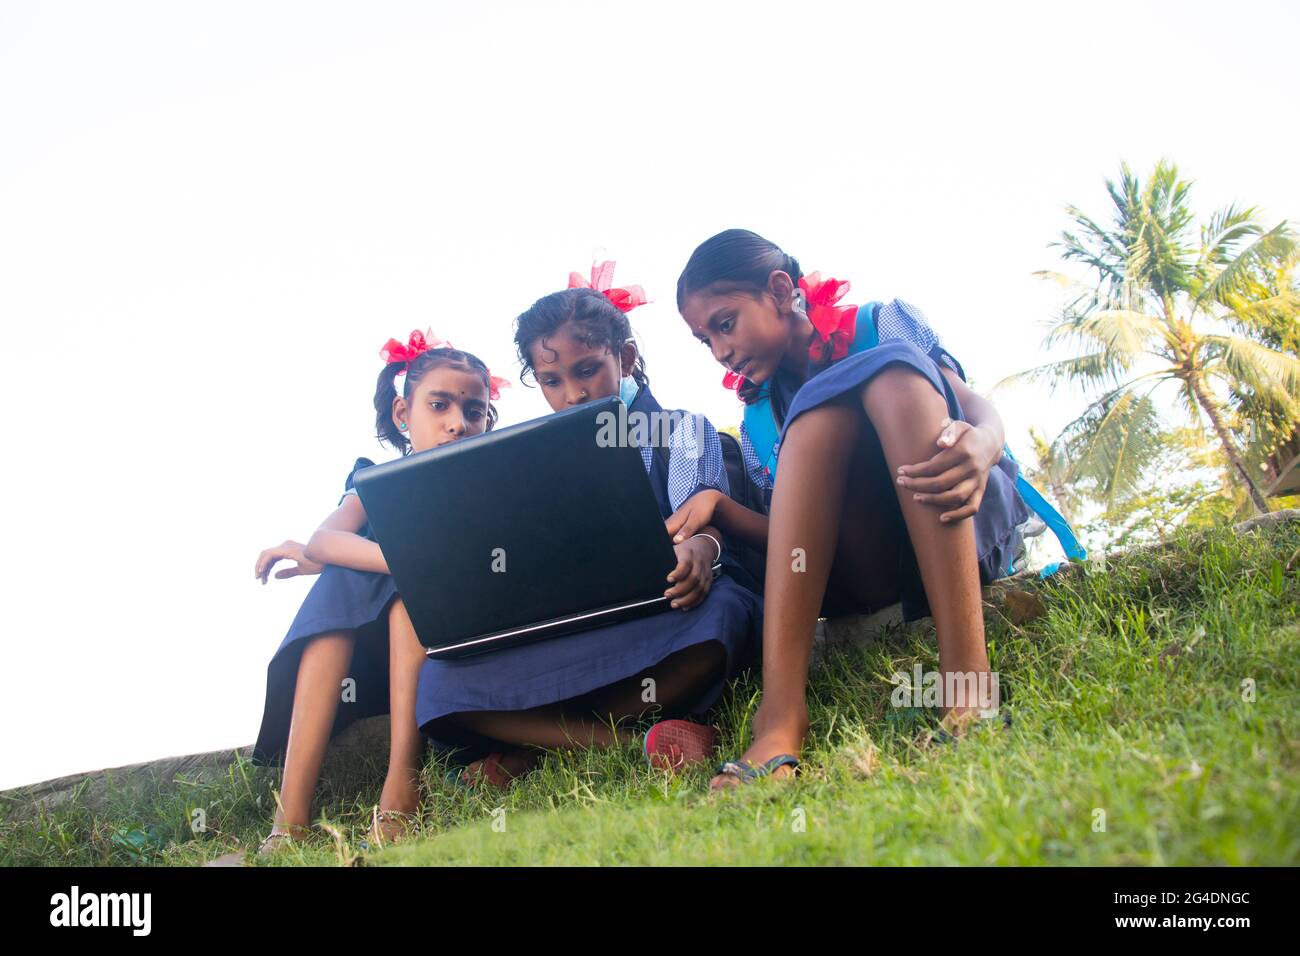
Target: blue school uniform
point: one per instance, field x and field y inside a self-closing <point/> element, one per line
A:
<point x="903" y="337"/>
<point x="562" y="668"/>
<point x="342" y="599"/>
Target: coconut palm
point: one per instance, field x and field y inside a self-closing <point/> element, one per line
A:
<point x="1166" y="307"/>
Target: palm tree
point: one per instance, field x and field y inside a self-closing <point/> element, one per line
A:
<point x="1166" y="307"/>
<point x="1053" y="469"/>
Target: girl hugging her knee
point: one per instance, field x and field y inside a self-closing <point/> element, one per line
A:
<point x="893" y="483"/>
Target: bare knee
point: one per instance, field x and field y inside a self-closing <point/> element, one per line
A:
<point x="899" y="390"/>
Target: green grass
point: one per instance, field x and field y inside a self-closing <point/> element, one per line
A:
<point x="1127" y="698"/>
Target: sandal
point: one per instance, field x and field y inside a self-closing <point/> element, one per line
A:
<point x="745" y="772"/>
<point x="490" y="773"/>
<point x="377" y="837"/>
<point x="673" y="744"/>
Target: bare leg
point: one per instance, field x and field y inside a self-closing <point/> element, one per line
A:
<point x="803" y="532"/>
<point x="945" y="552"/>
<point x="552" y="727"/>
<point x="807" y="508"/>
<point x="678" y="678"/>
<point x="405" y="658"/>
<point x="324" y="663"/>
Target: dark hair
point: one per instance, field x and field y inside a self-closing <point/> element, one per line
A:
<point x="736" y="261"/>
<point x="385" y="429"/>
<point x="599" y="322"/>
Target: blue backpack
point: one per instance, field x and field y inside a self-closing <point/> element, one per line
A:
<point x="760" y="424"/>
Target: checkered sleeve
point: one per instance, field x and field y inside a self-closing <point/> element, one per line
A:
<point x="694" y="459"/>
<point x="753" y="467"/>
<point x="902" y="320"/>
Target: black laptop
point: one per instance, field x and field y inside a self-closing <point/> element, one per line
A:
<point x="531" y="531"/>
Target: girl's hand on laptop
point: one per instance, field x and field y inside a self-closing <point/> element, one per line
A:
<point x="695" y="513"/>
<point x="955" y="478"/>
<point x="693" y="576"/>
<point x="289" y="551"/>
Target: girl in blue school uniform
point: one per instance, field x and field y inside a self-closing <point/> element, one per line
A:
<point x="587" y="689"/>
<point x="351" y="652"/>
<point x="893" y="482"/>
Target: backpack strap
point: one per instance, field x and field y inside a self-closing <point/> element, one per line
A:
<point x="760" y="423"/>
<point x="1051" y="517"/>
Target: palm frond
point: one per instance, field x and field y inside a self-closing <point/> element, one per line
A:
<point x="1239" y="361"/>
<point x="1235" y="275"/>
<point x="1088" y="370"/>
<point x="1113" y="442"/>
<point x="1226" y="228"/>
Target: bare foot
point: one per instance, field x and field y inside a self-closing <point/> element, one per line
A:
<point x="281" y="835"/>
<point x="390" y="826"/>
<point x="773" y="736"/>
<point x="958" y="720"/>
<point x="401" y="792"/>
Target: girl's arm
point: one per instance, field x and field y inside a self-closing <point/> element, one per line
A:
<point x="712" y="507"/>
<point x="954" y="479"/>
<point x="336" y="541"/>
<point x="979" y="411"/>
<point x="737" y="520"/>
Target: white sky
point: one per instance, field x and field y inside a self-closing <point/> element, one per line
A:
<point x="213" y="215"/>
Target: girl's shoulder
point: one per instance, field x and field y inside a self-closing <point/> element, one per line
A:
<point x="349" y="485"/>
<point x="897" y="320"/>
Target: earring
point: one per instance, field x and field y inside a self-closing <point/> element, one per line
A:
<point x="800" y="306"/>
<point x="402" y="426"/>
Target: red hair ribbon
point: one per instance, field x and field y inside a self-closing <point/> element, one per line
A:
<point x="733" y="381"/>
<point x="421" y="342"/>
<point x="602" y="280"/>
<point x="835" y="324"/>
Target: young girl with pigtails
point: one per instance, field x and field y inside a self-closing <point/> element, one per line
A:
<point x="590" y="688"/>
<point x="351" y="652"/>
<point x="893" y="481"/>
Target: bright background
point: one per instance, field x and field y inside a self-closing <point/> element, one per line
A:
<point x="213" y="215"/>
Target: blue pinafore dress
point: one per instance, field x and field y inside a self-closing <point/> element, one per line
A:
<point x="893" y="334"/>
<point x="342" y="599"/>
<point x="562" y="668"/>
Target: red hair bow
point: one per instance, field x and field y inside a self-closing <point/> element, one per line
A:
<point x="421" y="342"/>
<point x="602" y="279"/>
<point x="834" y="323"/>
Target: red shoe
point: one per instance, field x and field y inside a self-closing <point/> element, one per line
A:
<point x="673" y="744"/>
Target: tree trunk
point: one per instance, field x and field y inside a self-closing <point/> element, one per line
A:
<point x="1058" y="491"/>
<point x="1216" y="421"/>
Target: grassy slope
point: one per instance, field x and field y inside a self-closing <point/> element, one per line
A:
<point x="1127" y="697"/>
